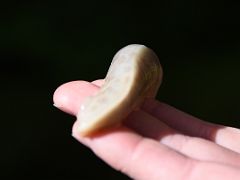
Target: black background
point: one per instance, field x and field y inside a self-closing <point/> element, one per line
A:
<point x="45" y="44"/>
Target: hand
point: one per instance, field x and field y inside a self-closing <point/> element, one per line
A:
<point x="158" y="141"/>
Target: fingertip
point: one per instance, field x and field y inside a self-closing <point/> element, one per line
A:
<point x="69" y="96"/>
<point x="60" y="99"/>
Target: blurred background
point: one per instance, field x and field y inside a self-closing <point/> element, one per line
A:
<point x="45" y="44"/>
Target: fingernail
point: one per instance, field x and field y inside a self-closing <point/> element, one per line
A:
<point x="60" y="108"/>
<point x="55" y="105"/>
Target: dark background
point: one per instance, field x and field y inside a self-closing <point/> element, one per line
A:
<point x="45" y="44"/>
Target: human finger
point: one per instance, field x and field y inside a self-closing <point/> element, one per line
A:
<point x="192" y="126"/>
<point x="122" y="148"/>
<point x="69" y="96"/>
<point x="149" y="126"/>
<point x="193" y="147"/>
<point x="136" y="156"/>
<point x="143" y="158"/>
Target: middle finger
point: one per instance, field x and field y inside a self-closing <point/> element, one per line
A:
<point x="194" y="147"/>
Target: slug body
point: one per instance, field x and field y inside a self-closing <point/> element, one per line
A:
<point x="135" y="74"/>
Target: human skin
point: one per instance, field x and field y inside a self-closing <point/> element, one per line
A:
<point x="157" y="141"/>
